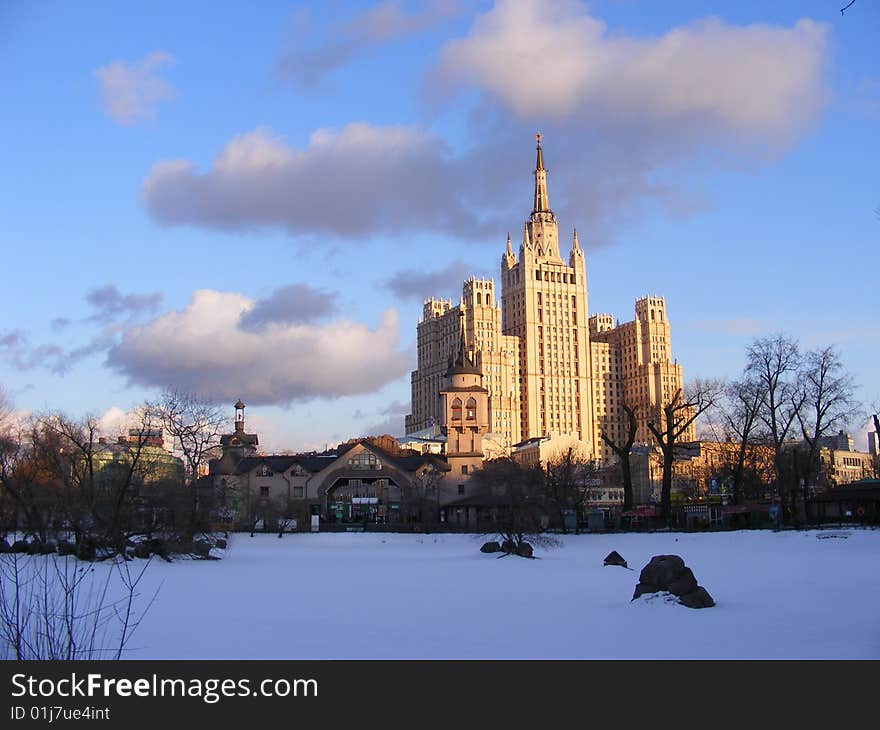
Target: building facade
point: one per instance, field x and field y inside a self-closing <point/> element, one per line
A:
<point x="547" y="366"/>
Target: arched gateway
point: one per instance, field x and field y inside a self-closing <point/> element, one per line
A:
<point x="367" y="485"/>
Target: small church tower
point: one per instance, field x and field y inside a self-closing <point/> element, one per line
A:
<point x="464" y="415"/>
<point x="239" y="443"/>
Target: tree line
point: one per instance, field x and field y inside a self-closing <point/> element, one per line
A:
<point x="773" y="420"/>
<point x="62" y="481"/>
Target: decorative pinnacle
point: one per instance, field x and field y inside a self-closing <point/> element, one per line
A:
<point x="542" y="201"/>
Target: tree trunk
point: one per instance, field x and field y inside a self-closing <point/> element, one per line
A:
<point x="627" y="482"/>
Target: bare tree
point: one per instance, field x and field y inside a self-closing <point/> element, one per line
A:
<point x="828" y="403"/>
<point x="516" y="494"/>
<point x="54" y="608"/>
<point x="774" y="363"/>
<point x="195" y="424"/>
<point x="740" y="409"/>
<point x="623" y="449"/>
<point x="675" y="419"/>
<point x="566" y="479"/>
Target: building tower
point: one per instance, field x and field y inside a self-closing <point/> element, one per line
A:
<point x="239" y="443"/>
<point x="478" y="316"/>
<point x="464" y="413"/>
<point x="633" y="366"/>
<point x="544" y="305"/>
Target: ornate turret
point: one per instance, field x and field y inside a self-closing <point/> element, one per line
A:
<point x="508" y="259"/>
<point x="576" y="257"/>
<point x="542" y="200"/>
<point x="463" y="363"/>
<point x="543" y="230"/>
<point x="239" y="442"/>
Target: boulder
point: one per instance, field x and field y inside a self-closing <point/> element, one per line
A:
<point x="669" y="573"/>
<point x="662" y="570"/>
<point x="86" y="550"/>
<point x="158" y="546"/>
<point x="508" y="547"/>
<point x="49" y="547"/>
<point x="65" y="548"/>
<point x="220" y="543"/>
<point x="35" y="548"/>
<point x="142" y="550"/>
<point x="20" y="546"/>
<point x="698" y="598"/>
<point x="643" y="588"/>
<point x="685" y="583"/>
<point x="490" y="547"/>
<point x="5" y="547"/>
<point x="524" y="550"/>
<point x="615" y="558"/>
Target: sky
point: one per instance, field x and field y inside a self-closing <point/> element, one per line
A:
<point x="254" y="203"/>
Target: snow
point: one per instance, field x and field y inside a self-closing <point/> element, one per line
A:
<point x="779" y="595"/>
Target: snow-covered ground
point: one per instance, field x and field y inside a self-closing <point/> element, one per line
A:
<point x="331" y="596"/>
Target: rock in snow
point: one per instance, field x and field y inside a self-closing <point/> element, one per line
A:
<point x="669" y="573"/>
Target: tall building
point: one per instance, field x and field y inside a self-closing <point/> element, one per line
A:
<point x="547" y="366"/>
<point x="496" y="355"/>
<point x="544" y="300"/>
<point x="633" y="365"/>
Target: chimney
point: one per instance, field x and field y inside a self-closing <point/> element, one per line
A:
<point x="102" y="440"/>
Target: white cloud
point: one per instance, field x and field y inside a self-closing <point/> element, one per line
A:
<point x="205" y="349"/>
<point x="358" y="181"/>
<point x="130" y="92"/>
<point x="552" y="59"/>
<point x="312" y="55"/>
<point x="628" y="122"/>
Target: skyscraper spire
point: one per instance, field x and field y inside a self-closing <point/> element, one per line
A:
<point x="509" y="247"/>
<point x="575" y="246"/>
<point x="542" y="201"/>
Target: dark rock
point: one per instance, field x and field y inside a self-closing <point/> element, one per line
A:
<point x="35" y="548"/>
<point x="685" y="583"/>
<point x="47" y="548"/>
<point x="643" y="588"/>
<point x="142" y="550"/>
<point x="20" y="546"/>
<point x="524" y="550"/>
<point x="220" y="543"/>
<point x="158" y="546"/>
<point x="669" y="573"/>
<point x="508" y="547"/>
<point x="615" y="558"/>
<point x="86" y="550"/>
<point x="698" y="598"/>
<point x="662" y="570"/>
<point x="5" y="547"/>
<point x="65" y="548"/>
<point x="490" y="547"/>
<point x="202" y="549"/>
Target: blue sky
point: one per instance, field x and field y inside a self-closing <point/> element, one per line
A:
<point x="314" y="170"/>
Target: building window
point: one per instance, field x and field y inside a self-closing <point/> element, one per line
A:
<point x="264" y="491"/>
<point x="264" y="471"/>
<point x="365" y="460"/>
<point x="298" y="492"/>
<point x="456" y="409"/>
<point x="461" y="490"/>
<point x="471" y="409"/>
<point x="464" y="469"/>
